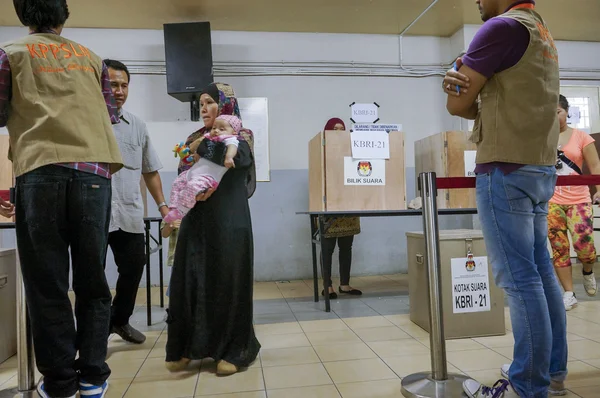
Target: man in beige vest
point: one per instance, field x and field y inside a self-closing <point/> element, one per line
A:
<point x="56" y="101"/>
<point x="512" y="66"/>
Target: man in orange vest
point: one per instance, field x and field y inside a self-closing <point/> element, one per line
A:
<point x="512" y="66"/>
<point x="56" y="101"/>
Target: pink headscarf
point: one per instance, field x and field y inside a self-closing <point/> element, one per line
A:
<point x="234" y="121"/>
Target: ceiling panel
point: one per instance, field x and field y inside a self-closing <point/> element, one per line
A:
<point x="568" y="19"/>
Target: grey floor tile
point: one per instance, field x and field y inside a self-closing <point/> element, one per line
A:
<point x="263" y="319"/>
<point x="385" y="311"/>
<point x="277" y="306"/>
<point x="389" y="306"/>
<point x="145" y="328"/>
<point x="350" y="304"/>
<point x="13" y="393"/>
<point x="139" y="319"/>
<point x="393" y="293"/>
<point x="303" y="299"/>
<point x="316" y="315"/>
<point x="355" y="313"/>
<point x="385" y="298"/>
<point x="310" y="306"/>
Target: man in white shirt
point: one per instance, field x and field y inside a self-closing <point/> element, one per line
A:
<point x="126" y="237"/>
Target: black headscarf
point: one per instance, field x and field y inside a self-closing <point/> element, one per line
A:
<point x="224" y="96"/>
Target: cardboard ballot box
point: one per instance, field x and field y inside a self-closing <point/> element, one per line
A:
<point x="338" y="182"/>
<point x="448" y="154"/>
<point x="472" y="304"/>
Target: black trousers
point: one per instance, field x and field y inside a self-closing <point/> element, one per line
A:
<point x="345" y="256"/>
<point x="129" y="252"/>
<point x="58" y="209"/>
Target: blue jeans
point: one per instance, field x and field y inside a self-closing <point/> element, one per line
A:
<point x="61" y="211"/>
<point x="513" y="211"/>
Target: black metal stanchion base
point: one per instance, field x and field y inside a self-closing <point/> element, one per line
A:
<point x="422" y="385"/>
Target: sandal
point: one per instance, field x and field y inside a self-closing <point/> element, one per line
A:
<point x="352" y="292"/>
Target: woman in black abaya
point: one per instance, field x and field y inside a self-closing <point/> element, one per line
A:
<point x="210" y="308"/>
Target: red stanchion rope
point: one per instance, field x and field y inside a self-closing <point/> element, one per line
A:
<point x="469" y="182"/>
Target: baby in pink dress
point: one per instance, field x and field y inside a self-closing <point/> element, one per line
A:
<point x="207" y="171"/>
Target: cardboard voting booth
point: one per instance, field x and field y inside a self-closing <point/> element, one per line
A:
<point x="448" y="154"/>
<point x="357" y="171"/>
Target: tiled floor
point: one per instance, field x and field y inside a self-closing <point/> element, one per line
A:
<point x="362" y="348"/>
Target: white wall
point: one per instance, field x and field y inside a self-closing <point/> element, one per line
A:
<point x="299" y="106"/>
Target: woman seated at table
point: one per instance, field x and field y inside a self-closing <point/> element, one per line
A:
<point x="340" y="230"/>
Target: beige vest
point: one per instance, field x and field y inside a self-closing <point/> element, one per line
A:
<point x="517" y="120"/>
<point x="58" y="113"/>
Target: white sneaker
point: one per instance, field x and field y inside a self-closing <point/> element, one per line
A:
<point x="41" y="390"/>
<point x="501" y="389"/>
<point x="569" y="300"/>
<point x="556" y="388"/>
<point x="504" y="371"/>
<point x="589" y="284"/>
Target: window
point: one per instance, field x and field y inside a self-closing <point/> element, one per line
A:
<point x="584" y="99"/>
<point x="579" y="113"/>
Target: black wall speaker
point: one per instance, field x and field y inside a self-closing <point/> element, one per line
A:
<point x="188" y="55"/>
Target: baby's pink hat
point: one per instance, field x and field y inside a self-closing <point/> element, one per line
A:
<point x="234" y="121"/>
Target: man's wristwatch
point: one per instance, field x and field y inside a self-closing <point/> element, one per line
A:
<point x="161" y="204"/>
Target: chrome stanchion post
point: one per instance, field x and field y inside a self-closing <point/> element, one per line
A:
<point x="436" y="312"/>
<point x="438" y="383"/>
<point x="25" y="354"/>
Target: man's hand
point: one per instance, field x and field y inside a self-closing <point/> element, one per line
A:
<point x="175" y="224"/>
<point x="7" y="209"/>
<point x="164" y="210"/>
<point x="464" y="104"/>
<point x="596" y="199"/>
<point x="201" y="197"/>
<point x="453" y="79"/>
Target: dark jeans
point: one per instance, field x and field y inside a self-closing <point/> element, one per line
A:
<point x="345" y="253"/>
<point x="129" y="251"/>
<point x="56" y="209"/>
